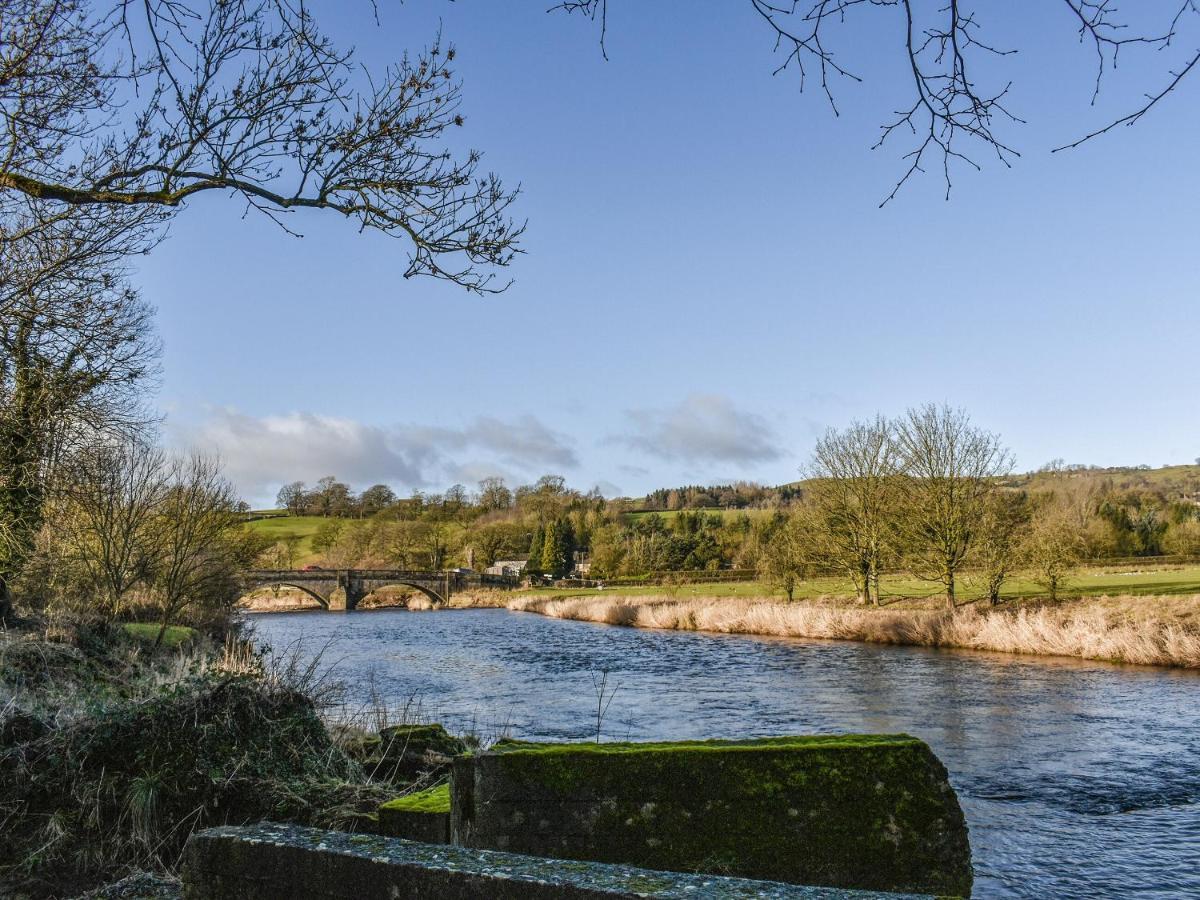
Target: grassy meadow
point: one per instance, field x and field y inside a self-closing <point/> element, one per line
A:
<point x="302" y="528"/>
<point x="906" y="591"/>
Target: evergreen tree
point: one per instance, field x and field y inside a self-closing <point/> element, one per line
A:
<point x="535" y="565"/>
<point x="566" y="546"/>
<point x="551" y="561"/>
<point x="558" y="548"/>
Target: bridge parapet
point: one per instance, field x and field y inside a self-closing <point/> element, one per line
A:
<point x="342" y="589"/>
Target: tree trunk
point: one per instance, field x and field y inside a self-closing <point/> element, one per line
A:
<point x="6" y="605"/>
<point x="950" y="604"/>
<point x="162" y="630"/>
<point x="21" y="491"/>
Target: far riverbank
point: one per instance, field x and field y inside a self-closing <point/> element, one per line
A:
<point x="1140" y="630"/>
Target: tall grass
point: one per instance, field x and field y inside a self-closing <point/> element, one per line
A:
<point x="1139" y="630"/>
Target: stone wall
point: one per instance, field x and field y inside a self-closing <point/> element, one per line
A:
<point x="870" y="812"/>
<point x="282" y="861"/>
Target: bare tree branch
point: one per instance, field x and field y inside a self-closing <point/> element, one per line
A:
<point x="152" y="102"/>
<point x="952" y="117"/>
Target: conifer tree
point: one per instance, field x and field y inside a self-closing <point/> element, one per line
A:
<point x="535" y="565"/>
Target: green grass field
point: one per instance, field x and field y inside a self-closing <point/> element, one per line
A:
<point x="911" y="591"/>
<point x="300" y="527"/>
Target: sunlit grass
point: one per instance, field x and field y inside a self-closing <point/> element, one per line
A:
<point x="911" y="592"/>
<point x="174" y="636"/>
<point x="302" y="528"/>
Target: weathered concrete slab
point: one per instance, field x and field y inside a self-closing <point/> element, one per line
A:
<point x="423" y="816"/>
<point x="853" y="811"/>
<point x="267" y="861"/>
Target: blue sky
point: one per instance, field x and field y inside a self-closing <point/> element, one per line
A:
<point x="709" y="282"/>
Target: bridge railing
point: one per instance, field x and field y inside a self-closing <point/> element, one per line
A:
<point x="460" y="580"/>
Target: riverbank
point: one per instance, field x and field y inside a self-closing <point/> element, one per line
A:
<point x="113" y="750"/>
<point x="1140" y="630"/>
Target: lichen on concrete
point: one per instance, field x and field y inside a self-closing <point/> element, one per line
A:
<point x="271" y="860"/>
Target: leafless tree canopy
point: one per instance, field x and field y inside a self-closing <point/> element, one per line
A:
<point x="128" y="103"/>
<point x="949" y="469"/>
<point x="851" y="494"/>
<point x="956" y="113"/>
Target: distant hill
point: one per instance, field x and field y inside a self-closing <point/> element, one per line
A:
<point x="1172" y="482"/>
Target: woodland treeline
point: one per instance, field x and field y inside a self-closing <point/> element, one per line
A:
<point x="928" y="494"/>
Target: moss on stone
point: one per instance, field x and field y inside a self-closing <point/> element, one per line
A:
<point x="432" y="800"/>
<point x="866" y="811"/>
<point x="406" y="752"/>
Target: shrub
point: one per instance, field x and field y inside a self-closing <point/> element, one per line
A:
<point x="123" y="785"/>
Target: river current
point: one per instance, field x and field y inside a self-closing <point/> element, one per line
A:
<point x="1079" y="780"/>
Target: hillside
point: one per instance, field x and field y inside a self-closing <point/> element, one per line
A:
<point x="1173" y="482"/>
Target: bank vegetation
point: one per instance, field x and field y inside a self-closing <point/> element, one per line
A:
<point x="1144" y="630"/>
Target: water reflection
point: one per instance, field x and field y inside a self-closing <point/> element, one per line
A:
<point x="1078" y="779"/>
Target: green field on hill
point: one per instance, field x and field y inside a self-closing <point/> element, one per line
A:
<point x="1088" y="583"/>
<point x="302" y="528"/>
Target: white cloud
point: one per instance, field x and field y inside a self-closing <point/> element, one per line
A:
<point x="704" y="428"/>
<point x="260" y="453"/>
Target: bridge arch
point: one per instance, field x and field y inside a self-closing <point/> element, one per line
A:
<point x="372" y="585"/>
<point x="309" y="591"/>
<point x="250" y="585"/>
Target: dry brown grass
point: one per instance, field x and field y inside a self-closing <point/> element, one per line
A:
<point x="480" y="598"/>
<point x="1162" y="631"/>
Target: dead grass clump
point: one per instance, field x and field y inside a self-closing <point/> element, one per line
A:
<point x="122" y="786"/>
<point x="1141" y="630"/>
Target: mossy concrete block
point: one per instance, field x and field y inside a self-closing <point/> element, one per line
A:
<point x="871" y="812"/>
<point x="270" y="860"/>
<point x="406" y="752"/>
<point x="423" y="816"/>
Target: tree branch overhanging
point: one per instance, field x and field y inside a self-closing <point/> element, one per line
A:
<point x="952" y="116"/>
<point x="151" y="102"/>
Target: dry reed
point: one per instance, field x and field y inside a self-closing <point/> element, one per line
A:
<point x="1139" y="630"/>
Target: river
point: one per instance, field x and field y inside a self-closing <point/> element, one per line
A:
<point x="1079" y="780"/>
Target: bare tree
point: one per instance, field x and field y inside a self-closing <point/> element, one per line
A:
<point x="850" y="494"/>
<point x="195" y="539"/>
<point x="1052" y="547"/>
<point x="785" y="557"/>
<point x="293" y="497"/>
<point x="494" y="494"/>
<point x="998" y="546"/>
<point x="148" y="103"/>
<point x="957" y="111"/>
<point x="115" y="492"/>
<point x="282" y="554"/>
<point x="949" y="467"/>
<point x="375" y="499"/>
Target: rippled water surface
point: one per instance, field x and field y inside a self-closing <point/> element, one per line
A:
<point x="1078" y="780"/>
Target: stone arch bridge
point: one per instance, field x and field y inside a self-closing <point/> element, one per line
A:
<point x="343" y="589"/>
